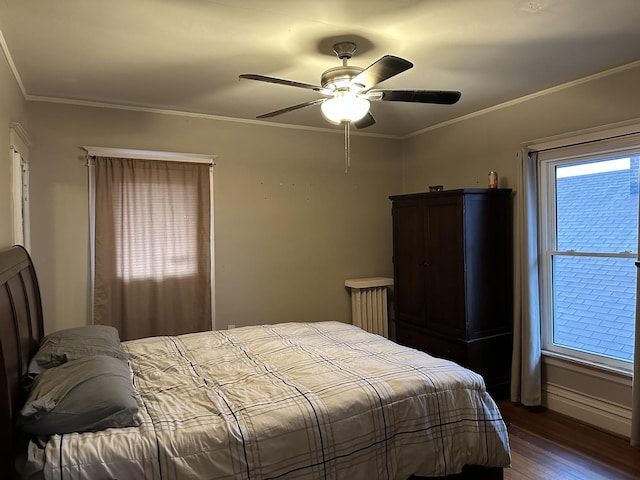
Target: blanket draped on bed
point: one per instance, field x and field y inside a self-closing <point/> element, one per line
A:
<point x="298" y="400"/>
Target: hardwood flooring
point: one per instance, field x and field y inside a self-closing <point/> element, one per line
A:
<point x="547" y="445"/>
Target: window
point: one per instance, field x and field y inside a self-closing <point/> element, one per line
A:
<point x="588" y="249"/>
<point x="20" y="186"/>
<point x="20" y="199"/>
<point x="159" y="237"/>
<point x="152" y="242"/>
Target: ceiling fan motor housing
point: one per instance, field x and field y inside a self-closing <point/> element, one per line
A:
<point x="339" y="77"/>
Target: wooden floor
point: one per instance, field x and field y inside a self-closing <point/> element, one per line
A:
<point x="547" y="445"/>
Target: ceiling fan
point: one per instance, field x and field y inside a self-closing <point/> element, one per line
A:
<point x="349" y="89"/>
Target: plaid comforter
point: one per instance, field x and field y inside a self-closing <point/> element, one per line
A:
<point x="298" y="400"/>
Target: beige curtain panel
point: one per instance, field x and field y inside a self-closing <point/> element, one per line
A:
<point x="526" y="375"/>
<point x="152" y="247"/>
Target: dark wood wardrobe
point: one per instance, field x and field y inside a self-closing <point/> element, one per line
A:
<point x="453" y="278"/>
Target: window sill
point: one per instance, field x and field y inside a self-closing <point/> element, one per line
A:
<point x="623" y="376"/>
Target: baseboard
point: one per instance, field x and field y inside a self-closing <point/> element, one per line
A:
<point x="594" y="411"/>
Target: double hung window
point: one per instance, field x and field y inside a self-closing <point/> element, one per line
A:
<point x="588" y="249"/>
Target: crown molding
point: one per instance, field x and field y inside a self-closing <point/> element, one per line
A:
<point x="526" y="98"/>
<point x="12" y="66"/>
<point x="179" y="113"/>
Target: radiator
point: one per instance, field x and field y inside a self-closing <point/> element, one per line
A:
<point x="369" y="304"/>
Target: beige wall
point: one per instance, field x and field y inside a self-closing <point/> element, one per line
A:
<point x="461" y="155"/>
<point x="290" y="226"/>
<point x="12" y="110"/>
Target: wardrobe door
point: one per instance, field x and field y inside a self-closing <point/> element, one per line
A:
<point x="444" y="266"/>
<point x="489" y="266"/>
<point x="408" y="261"/>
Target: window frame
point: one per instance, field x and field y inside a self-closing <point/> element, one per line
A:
<point x="583" y="152"/>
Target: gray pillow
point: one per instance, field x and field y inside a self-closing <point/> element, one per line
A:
<point x="73" y="343"/>
<point x="88" y="394"/>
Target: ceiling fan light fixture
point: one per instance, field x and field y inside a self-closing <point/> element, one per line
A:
<point x="345" y="106"/>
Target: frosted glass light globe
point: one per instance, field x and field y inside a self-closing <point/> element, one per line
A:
<point x="345" y="107"/>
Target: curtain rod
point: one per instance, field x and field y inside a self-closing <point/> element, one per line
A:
<point x="93" y="152"/>
<point x="603" y="132"/>
<point x="584" y="142"/>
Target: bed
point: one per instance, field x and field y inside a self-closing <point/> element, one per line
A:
<point x="323" y="400"/>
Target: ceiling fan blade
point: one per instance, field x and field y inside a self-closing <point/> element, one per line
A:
<point x="365" y="121"/>
<point x="291" y="108"/>
<point x="443" y="97"/>
<point x="380" y="70"/>
<point x="280" y="81"/>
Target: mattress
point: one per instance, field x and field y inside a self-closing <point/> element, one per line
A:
<point x="322" y="400"/>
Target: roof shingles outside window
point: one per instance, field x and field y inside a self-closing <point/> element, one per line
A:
<point x="595" y="297"/>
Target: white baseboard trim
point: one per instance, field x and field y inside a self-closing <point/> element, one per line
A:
<point x="595" y="411"/>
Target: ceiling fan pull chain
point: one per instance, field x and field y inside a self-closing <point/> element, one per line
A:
<point x="347" y="147"/>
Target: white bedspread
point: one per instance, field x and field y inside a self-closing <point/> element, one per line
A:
<point x="298" y="400"/>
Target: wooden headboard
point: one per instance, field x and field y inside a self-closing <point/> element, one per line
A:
<point x="21" y="329"/>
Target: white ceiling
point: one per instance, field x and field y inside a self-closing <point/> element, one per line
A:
<point x="186" y="55"/>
